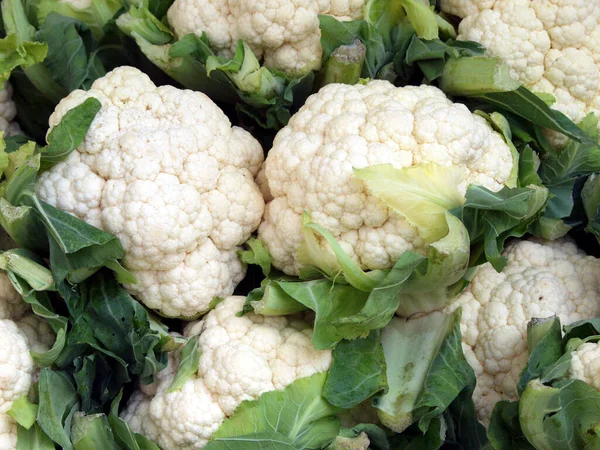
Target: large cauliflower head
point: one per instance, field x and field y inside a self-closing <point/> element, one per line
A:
<point x="164" y="170"/>
<point x="241" y="358"/>
<point x="285" y="33"/>
<point x="541" y="279"/>
<point x="8" y="111"/>
<point x="343" y="127"/>
<point x="551" y="46"/>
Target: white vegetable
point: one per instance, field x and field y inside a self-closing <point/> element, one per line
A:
<point x="8" y="112"/>
<point x="286" y="34"/>
<point x="310" y="167"/>
<point x="585" y="364"/>
<point x="541" y="279"/>
<point x="164" y="170"/>
<point x="552" y="46"/>
<point x="241" y="358"/>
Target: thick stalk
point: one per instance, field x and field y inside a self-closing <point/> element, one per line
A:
<point x="476" y="75"/>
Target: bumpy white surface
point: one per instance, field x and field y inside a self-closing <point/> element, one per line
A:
<point x="241" y="358"/>
<point x="551" y="46"/>
<point x="8" y="112"/>
<point x="163" y="170"/>
<point x="541" y="279"/>
<point x="283" y="32"/>
<point x="585" y="364"/>
<point x="344" y="127"/>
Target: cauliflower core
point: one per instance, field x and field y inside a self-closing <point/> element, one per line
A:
<point x="284" y="33"/>
<point x="163" y="170"/>
<point x="541" y="279"/>
<point x="8" y="111"/>
<point x="241" y="358"/>
<point x="343" y="127"/>
<point x="551" y="46"/>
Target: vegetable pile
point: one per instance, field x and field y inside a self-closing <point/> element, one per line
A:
<point x="364" y="225"/>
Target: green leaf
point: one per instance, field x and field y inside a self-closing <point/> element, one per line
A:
<point x="426" y="369"/>
<point x="23" y="263"/>
<point x="123" y="434"/>
<point x="69" y="133"/>
<point x="504" y="430"/>
<point x="258" y="255"/>
<point x="33" y="438"/>
<point x="557" y="418"/>
<point x="24" y="412"/>
<point x="493" y="217"/>
<point x="13" y="55"/>
<point x="188" y="364"/>
<point x="524" y="103"/>
<point x="590" y="195"/>
<point x="58" y="403"/>
<point x="358" y="372"/>
<point x="422" y="18"/>
<point x="296" y="417"/>
<point x="92" y="431"/>
<point x="421" y="194"/>
<point x="70" y="43"/>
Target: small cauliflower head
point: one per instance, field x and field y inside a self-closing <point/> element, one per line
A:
<point x="241" y="358"/>
<point x="541" y="279"/>
<point x="284" y="33"/>
<point x="585" y="364"/>
<point x="8" y="112"/>
<point x="163" y="169"/>
<point x="551" y="46"/>
<point x="343" y="127"/>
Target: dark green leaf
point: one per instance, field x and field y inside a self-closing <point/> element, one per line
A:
<point x="33" y="438"/>
<point x="358" y="372"/>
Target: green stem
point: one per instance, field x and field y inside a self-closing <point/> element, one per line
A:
<point x="345" y="64"/>
<point x="476" y="75"/>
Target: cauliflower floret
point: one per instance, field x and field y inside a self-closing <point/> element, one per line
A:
<point x="551" y="46"/>
<point x="310" y="167"/>
<point x="241" y="358"/>
<point x="285" y="33"/>
<point x="164" y="171"/>
<point x="585" y="364"/>
<point x="541" y="279"/>
<point x="8" y="111"/>
<point x="8" y="433"/>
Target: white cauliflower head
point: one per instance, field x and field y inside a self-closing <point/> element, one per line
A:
<point x="163" y="170"/>
<point x="285" y="33"/>
<point x="551" y="46"/>
<point x="241" y="358"/>
<point x="541" y="279"/>
<point x="585" y="364"/>
<point x="343" y="127"/>
<point x="8" y="112"/>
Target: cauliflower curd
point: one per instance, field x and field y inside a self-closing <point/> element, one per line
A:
<point x="285" y="33"/>
<point x="241" y="358"/>
<point x="8" y="112"/>
<point x="541" y="279"/>
<point x="343" y="127"/>
<point x="163" y="169"/>
<point x="551" y="46"/>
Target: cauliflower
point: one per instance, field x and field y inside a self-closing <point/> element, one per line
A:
<point x="585" y="364"/>
<point x="241" y="358"/>
<point x="541" y="279"/>
<point x="163" y="170"/>
<point x="286" y="34"/>
<point x="343" y="127"/>
<point x="8" y="111"/>
<point x="20" y="333"/>
<point x="551" y="46"/>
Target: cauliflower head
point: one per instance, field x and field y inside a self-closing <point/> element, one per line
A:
<point x="241" y="358"/>
<point x="284" y="33"/>
<point x="551" y="46"/>
<point x="163" y="169"/>
<point x="343" y="127"/>
<point x="8" y="112"/>
<point x="541" y="279"/>
<point x="585" y="364"/>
